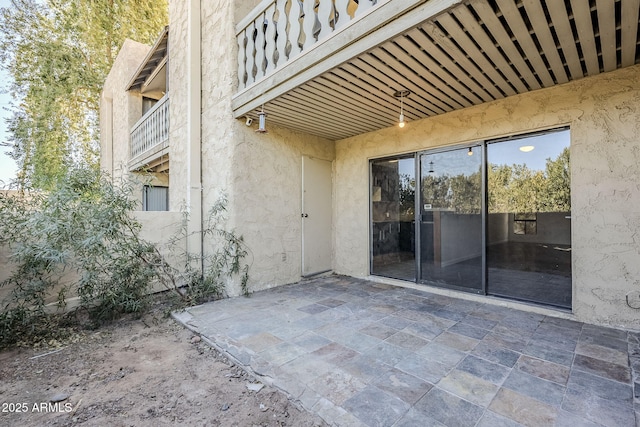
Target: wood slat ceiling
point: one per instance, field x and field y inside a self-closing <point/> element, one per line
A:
<point x="479" y="51"/>
<point x="155" y="56"/>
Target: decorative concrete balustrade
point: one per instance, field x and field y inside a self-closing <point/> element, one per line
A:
<point x="152" y="129"/>
<point x="277" y="31"/>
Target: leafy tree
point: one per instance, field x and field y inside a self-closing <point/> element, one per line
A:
<point x="461" y="193"/>
<point x="518" y="189"/>
<point x="58" y="53"/>
<point x="558" y="185"/>
<point x="407" y="195"/>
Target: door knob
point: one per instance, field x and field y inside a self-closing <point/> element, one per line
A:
<point x="304" y="215"/>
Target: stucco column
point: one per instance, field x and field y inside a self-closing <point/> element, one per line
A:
<point x="106" y="152"/>
<point x="194" y="169"/>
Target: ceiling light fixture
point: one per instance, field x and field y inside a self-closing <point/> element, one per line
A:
<point x="262" y="121"/>
<point x="527" y="148"/>
<point x="402" y="94"/>
<point x="470" y="152"/>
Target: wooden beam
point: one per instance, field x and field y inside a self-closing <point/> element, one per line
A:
<point x="542" y="31"/>
<point x="584" y="25"/>
<point x="512" y="15"/>
<point x="629" y="30"/>
<point x="493" y="24"/>
<point x="562" y="27"/>
<point x="607" y="30"/>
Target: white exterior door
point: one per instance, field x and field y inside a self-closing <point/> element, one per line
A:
<point x="316" y="216"/>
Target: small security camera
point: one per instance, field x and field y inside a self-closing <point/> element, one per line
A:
<point x="249" y="121"/>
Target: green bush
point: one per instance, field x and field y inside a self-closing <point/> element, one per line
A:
<point x="83" y="229"/>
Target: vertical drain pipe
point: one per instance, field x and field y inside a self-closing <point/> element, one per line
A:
<point x="194" y="133"/>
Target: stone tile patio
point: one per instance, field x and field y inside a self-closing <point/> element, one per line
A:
<point x="360" y="353"/>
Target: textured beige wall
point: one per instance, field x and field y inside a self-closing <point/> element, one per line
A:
<point x="125" y="109"/>
<point x="159" y="228"/>
<point x="177" y="83"/>
<point x="260" y="173"/>
<point x="604" y="115"/>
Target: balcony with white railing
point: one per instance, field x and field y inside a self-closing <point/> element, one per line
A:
<point x="150" y="136"/>
<point x="278" y="31"/>
<point x="284" y="43"/>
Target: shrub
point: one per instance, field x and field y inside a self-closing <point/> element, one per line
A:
<point x="83" y="227"/>
<point x="204" y="276"/>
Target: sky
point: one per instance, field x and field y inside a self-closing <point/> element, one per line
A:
<point x="8" y="167"/>
<point x="545" y="146"/>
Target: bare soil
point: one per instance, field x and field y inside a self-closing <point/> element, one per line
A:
<point x="143" y="372"/>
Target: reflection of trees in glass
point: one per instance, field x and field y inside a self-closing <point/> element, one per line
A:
<point x="517" y="188"/>
<point x="407" y="195"/>
<point x="460" y="193"/>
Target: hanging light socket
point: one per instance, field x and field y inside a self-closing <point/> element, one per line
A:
<point x="402" y="94"/>
<point x="262" y="121"/>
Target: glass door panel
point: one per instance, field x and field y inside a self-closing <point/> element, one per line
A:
<point x="529" y="219"/>
<point x="393" y="188"/>
<point x="451" y="225"/>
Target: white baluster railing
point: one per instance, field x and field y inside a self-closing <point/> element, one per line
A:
<point x="277" y="31"/>
<point x="152" y="129"/>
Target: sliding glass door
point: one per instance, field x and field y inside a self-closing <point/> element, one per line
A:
<point x="451" y="218"/>
<point x="492" y="218"/>
<point x="393" y="218"/>
<point x="529" y="220"/>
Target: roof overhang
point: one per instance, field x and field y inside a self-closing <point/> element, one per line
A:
<point x="450" y="55"/>
<point x="149" y="75"/>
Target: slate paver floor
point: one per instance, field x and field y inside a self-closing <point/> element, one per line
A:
<point x="361" y="353"/>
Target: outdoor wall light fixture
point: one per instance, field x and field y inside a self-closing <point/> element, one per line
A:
<point x="262" y="121"/>
<point x="249" y="121"/>
<point x="402" y="94"/>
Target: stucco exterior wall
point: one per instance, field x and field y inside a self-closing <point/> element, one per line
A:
<point x="177" y="82"/>
<point x="603" y="113"/>
<point x="268" y="199"/>
<point x="120" y="109"/>
<point x="259" y="173"/>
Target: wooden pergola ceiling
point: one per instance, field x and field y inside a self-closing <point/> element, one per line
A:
<point x="475" y="52"/>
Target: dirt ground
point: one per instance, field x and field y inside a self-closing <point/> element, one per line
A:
<point x="136" y="373"/>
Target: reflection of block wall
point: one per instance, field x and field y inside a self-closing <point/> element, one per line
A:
<point x="498" y="229"/>
<point x="460" y="237"/>
<point x="552" y="227"/>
